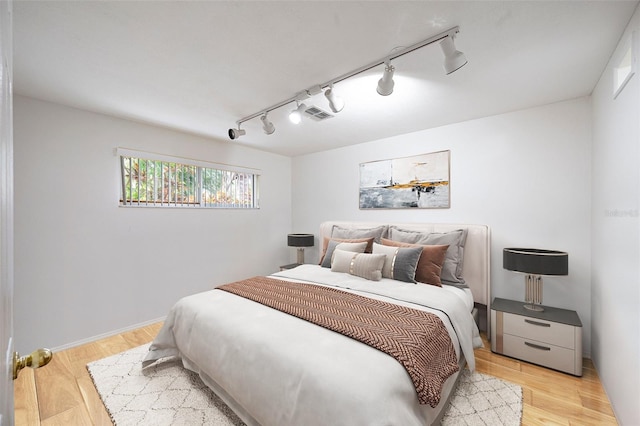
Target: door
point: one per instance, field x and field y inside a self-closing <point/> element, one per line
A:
<point x="6" y="216"/>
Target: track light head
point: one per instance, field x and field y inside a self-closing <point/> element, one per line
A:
<point x="236" y="133"/>
<point x="267" y="125"/>
<point x="296" y="115"/>
<point x="453" y="59"/>
<point x="385" y="84"/>
<point x="336" y="103"/>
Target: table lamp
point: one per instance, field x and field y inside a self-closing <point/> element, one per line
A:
<point x="300" y="241"/>
<point x="535" y="263"/>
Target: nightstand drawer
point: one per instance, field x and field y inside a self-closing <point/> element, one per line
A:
<point x="556" y="357"/>
<point x="548" y="332"/>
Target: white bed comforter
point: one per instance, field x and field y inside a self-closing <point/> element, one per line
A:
<point x="276" y="369"/>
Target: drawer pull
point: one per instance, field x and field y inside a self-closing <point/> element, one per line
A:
<point x="542" y="348"/>
<point x="539" y="324"/>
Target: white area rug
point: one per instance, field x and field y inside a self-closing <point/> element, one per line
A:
<point x="482" y="400"/>
<point x="167" y="394"/>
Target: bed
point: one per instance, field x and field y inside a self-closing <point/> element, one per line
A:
<point x="275" y="368"/>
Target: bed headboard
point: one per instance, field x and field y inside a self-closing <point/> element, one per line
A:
<point x="477" y="250"/>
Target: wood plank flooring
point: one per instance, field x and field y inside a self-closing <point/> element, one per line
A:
<point x="551" y="397"/>
<point x="62" y="393"/>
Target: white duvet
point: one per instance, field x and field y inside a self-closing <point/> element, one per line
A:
<point x="278" y="370"/>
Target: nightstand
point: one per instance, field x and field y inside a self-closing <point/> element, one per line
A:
<point x="289" y="266"/>
<point x="551" y="338"/>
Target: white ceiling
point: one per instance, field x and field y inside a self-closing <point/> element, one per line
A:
<point x="200" y="66"/>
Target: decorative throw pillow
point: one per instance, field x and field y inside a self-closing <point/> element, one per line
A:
<point x="365" y="265"/>
<point x="337" y="245"/>
<point x="400" y="263"/>
<point x="452" y="267"/>
<point x="325" y="245"/>
<point x="351" y="233"/>
<point x="430" y="264"/>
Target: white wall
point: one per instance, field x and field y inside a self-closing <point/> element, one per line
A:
<point x="84" y="266"/>
<point x="526" y="174"/>
<point x="615" y="263"/>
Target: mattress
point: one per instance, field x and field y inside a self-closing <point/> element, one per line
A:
<point x="275" y="369"/>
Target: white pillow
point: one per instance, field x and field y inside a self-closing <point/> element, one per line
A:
<point x="365" y="265"/>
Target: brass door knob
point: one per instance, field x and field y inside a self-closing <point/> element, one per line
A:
<point x="35" y="359"/>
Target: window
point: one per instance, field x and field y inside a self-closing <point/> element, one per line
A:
<point x="624" y="65"/>
<point x="160" y="181"/>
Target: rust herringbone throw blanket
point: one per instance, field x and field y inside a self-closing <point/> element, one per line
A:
<point x="417" y="339"/>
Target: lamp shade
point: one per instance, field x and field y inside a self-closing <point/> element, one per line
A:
<point x="300" y="240"/>
<point x="385" y="84"/>
<point x="267" y="125"/>
<point x="453" y="59"/>
<point x="336" y="103"/>
<point x="295" y="116"/>
<point x="535" y="261"/>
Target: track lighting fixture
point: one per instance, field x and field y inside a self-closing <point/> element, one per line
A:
<point x="385" y="84"/>
<point x="267" y="125"/>
<point x="296" y="115"/>
<point x="236" y="133"/>
<point x="336" y="103"/>
<point x="453" y="60"/>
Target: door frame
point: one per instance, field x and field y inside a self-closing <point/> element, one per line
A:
<point x="6" y="213"/>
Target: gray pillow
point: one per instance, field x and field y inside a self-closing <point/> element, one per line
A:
<point x="400" y="263"/>
<point x="350" y="233"/>
<point x="452" y="267"/>
<point x="337" y="245"/>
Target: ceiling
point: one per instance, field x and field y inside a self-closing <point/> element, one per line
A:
<point x="198" y="67"/>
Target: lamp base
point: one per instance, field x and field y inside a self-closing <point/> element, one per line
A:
<point x="533" y="307"/>
<point x="533" y="293"/>
<point x="300" y="257"/>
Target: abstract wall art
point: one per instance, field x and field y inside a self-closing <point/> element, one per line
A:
<point x="420" y="181"/>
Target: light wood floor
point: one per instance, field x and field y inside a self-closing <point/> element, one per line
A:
<point x="62" y="393"/>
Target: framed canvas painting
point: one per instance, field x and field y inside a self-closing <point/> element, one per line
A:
<point x="420" y="181"/>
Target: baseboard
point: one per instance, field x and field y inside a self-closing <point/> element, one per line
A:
<point x="107" y="334"/>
